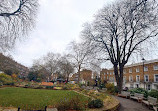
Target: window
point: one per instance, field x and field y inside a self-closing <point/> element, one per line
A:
<point x="104" y="73"/>
<point x="130" y="78"/>
<point x="137" y="85"/>
<point x="156" y="77"/>
<point x="130" y="70"/>
<point x="137" y="69"/>
<point x="145" y="68"/>
<point x="107" y="77"/>
<point x="137" y="78"/>
<point x="131" y="86"/>
<point x="110" y="73"/>
<point x="124" y="71"/>
<point x="155" y="67"/>
<point x="124" y="79"/>
<point x="148" y="87"/>
<point x="146" y="78"/>
<point x="113" y="73"/>
<point x="107" y="73"/>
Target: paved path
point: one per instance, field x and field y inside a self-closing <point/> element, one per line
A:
<point x="130" y="105"/>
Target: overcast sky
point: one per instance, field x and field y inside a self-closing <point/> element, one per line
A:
<point x="59" y="22"/>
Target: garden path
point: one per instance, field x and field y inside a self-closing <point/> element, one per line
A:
<point x="130" y="105"/>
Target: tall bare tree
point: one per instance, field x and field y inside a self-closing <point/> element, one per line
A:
<point x="82" y="55"/>
<point x="51" y="61"/>
<point x="66" y="67"/>
<point x="120" y="29"/>
<point x="17" y="17"/>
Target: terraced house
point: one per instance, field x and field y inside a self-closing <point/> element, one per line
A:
<point x="143" y="75"/>
<point x="85" y="76"/>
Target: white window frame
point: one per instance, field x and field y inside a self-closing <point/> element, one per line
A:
<point x="136" y="78"/>
<point x="137" y="69"/>
<point x="124" y="79"/>
<point x="145" y="68"/>
<point x="155" y="67"/>
<point x="130" y="78"/>
<point x="124" y="71"/>
<point x="130" y="70"/>
<point x="155" y="77"/>
<point x="145" y="78"/>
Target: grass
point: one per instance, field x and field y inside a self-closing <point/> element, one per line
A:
<point x="34" y="98"/>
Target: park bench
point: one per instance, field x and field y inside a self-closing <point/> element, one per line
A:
<point x="151" y="102"/>
<point x="102" y="90"/>
<point x="83" y="87"/>
<point x="89" y="88"/>
<point x="95" y="88"/>
<point x="137" y="96"/>
<point x="124" y="94"/>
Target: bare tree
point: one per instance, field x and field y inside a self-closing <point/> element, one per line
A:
<point x="120" y="29"/>
<point x="17" y="17"/>
<point x="66" y="67"/>
<point x="51" y="61"/>
<point x="82" y="55"/>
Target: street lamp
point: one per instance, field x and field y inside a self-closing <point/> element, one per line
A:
<point x="143" y="71"/>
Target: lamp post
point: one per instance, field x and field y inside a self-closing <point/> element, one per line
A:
<point x="143" y="71"/>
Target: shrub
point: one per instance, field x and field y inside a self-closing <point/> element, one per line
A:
<point x="102" y="86"/>
<point x="97" y="103"/>
<point x="1" y="84"/>
<point x="6" y="79"/>
<point x="39" y="87"/>
<point x="140" y="91"/>
<point x="74" y="103"/>
<point x="70" y="86"/>
<point x="49" y="87"/>
<point x="110" y="87"/>
<point x="116" y="89"/>
<point x="153" y="93"/>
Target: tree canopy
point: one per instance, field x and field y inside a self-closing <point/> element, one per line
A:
<point x="17" y="17"/>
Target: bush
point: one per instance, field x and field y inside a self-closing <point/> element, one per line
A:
<point x="39" y="87"/>
<point x="153" y="93"/>
<point x="70" y="86"/>
<point x="6" y="79"/>
<point x="1" y="84"/>
<point x="74" y="103"/>
<point x="95" y="103"/>
<point x="102" y="86"/>
<point x="110" y="87"/>
<point x="140" y="91"/>
<point x="49" y="87"/>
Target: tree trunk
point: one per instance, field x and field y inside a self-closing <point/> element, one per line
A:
<point x="119" y="76"/>
<point x="79" y="68"/>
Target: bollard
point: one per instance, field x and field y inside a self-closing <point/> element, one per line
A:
<point x="45" y="109"/>
<point x="18" y="108"/>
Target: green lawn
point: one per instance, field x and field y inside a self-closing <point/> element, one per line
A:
<point x="34" y="98"/>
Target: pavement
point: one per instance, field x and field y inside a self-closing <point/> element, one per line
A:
<point x="131" y="105"/>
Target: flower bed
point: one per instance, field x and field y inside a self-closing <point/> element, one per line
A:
<point x="109" y="102"/>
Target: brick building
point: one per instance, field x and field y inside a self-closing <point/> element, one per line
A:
<point x="85" y="76"/>
<point x="144" y="75"/>
<point x="8" y="64"/>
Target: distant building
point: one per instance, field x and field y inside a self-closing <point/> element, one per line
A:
<point x="137" y="75"/>
<point x="85" y="76"/>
